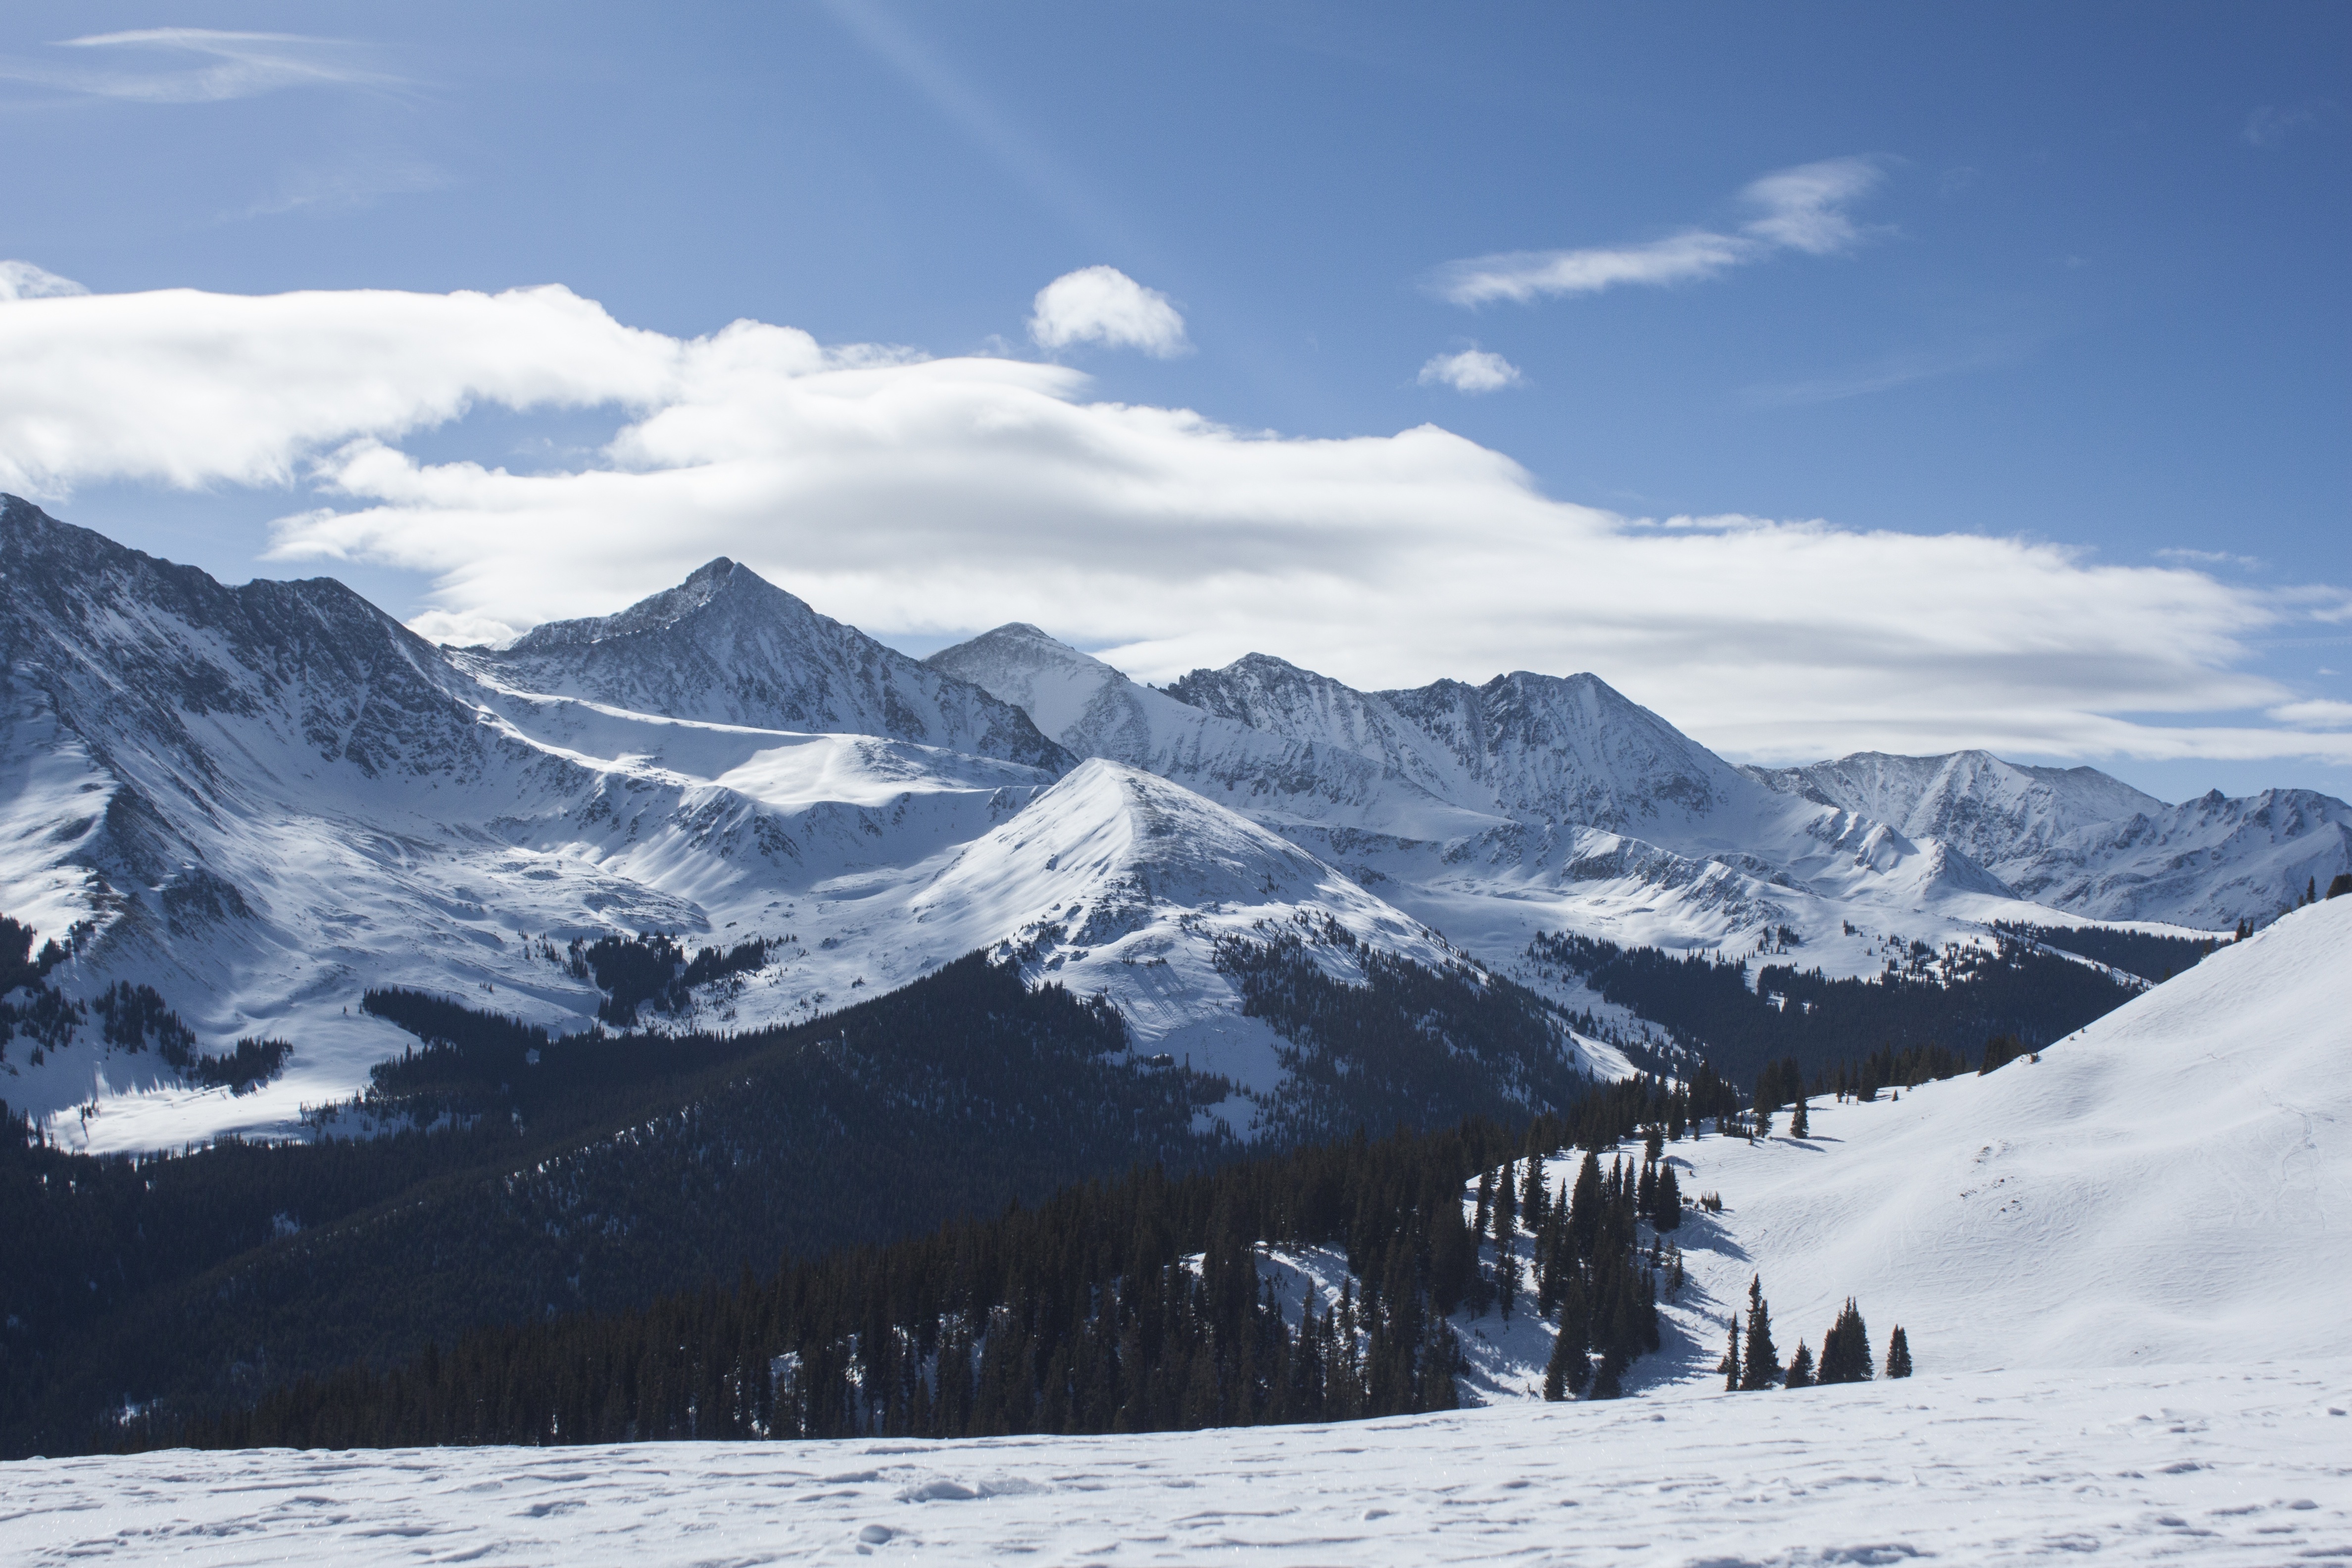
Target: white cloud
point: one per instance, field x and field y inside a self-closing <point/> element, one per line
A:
<point x="2314" y="713"/>
<point x="1103" y="305"/>
<point x="191" y="388"/>
<point x="1802" y="208"/>
<point x="914" y="496"/>
<point x="1471" y="371"/>
<point x="23" y="280"/>
<point x="233" y="64"/>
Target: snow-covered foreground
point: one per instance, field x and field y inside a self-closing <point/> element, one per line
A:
<point x="2241" y="1464"/>
<point x="2121" y="1269"/>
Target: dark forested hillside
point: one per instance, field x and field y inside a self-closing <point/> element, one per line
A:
<point x="596" y="1171"/>
<point x="1409" y="1044"/>
<point x="2150" y="956"/>
<point x="609" y="1170"/>
<point x="1123" y="1306"/>
<point x="1955" y="1000"/>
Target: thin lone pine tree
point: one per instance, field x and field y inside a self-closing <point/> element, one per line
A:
<point x="1800" y="1125"/>
<point x="1899" y="1355"/>
<point x="1730" y="1367"/>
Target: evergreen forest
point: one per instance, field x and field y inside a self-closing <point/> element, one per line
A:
<point x="493" y="1177"/>
<point x="1925" y="1002"/>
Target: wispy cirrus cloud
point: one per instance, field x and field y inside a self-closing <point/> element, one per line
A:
<point x="197" y="65"/>
<point x="1884" y="374"/>
<point x="2187" y="557"/>
<point x="2269" y="126"/>
<point x="1801" y="209"/>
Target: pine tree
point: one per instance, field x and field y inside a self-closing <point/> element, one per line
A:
<point x="1800" y="1125"/>
<point x="1667" y="1211"/>
<point x="1899" y="1355"/>
<point x="1507" y="1279"/>
<point x="1584" y="1206"/>
<point x="1801" y="1368"/>
<point x="1730" y="1364"/>
<point x="1763" y="1369"/>
<point x="1845" y="1349"/>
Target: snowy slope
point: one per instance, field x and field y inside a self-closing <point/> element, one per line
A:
<point x="2172" y="1183"/>
<point x="2237" y="1467"/>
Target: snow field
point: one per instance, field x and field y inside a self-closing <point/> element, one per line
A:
<point x="2221" y="1466"/>
<point x="2172" y="1183"/>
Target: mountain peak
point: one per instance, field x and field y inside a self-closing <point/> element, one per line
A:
<point x="725" y="646"/>
<point x="702" y="586"/>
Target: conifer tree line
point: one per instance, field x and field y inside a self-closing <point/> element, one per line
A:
<point x="130" y="1016"/>
<point x="1126" y="1305"/>
<point x="1751" y="1361"/>
<point x="2017" y="987"/>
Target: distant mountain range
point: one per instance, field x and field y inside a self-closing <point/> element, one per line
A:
<point x="263" y="800"/>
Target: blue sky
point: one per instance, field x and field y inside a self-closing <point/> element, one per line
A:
<point x="2078" y="286"/>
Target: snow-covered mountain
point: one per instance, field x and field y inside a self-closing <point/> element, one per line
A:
<point x="2080" y="841"/>
<point x="1540" y="801"/>
<point x="727" y="647"/>
<point x="267" y="799"/>
<point x="1529" y="803"/>
<point x="264" y="799"/>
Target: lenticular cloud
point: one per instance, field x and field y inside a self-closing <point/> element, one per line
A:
<point x="911" y="495"/>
